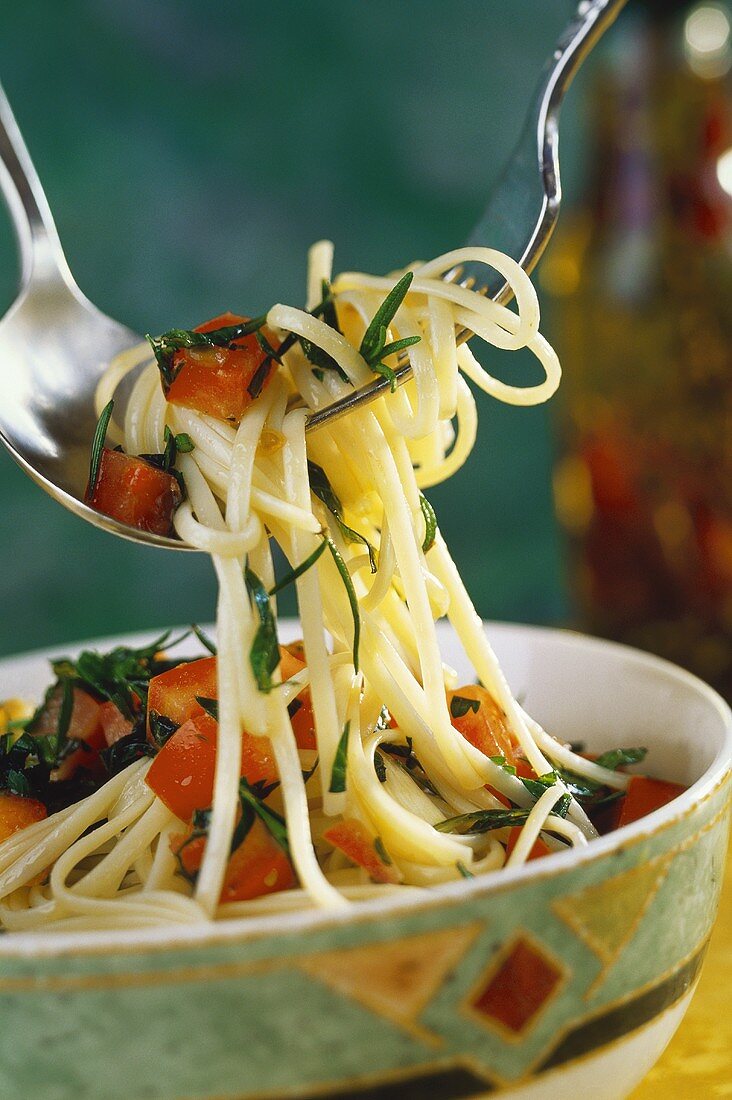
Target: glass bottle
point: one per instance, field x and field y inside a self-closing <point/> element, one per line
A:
<point x="641" y="281"/>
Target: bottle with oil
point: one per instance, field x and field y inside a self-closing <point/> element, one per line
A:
<point x="640" y="278"/>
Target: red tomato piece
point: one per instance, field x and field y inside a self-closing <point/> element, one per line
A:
<point x="259" y="866"/>
<point x="17" y="812"/>
<point x="221" y="382"/>
<point x="131" y="490"/>
<point x="173" y="693"/>
<point x="485" y="728"/>
<point x="644" y="795"/>
<point x="355" y="841"/>
<point x="302" y="718"/>
<point x="83" y="726"/>
<point x="113" y="722"/>
<point x="538" y="848"/>
<point x="182" y="773"/>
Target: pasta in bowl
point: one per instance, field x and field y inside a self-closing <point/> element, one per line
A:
<point x="569" y="971"/>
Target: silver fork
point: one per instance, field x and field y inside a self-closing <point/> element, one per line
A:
<point x="55" y="343"/>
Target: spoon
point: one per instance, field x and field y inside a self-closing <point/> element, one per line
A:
<point x="55" y="343"/>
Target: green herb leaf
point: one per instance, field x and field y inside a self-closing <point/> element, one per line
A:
<point x="164" y="347"/>
<point x="204" y="639"/>
<point x="352" y="597"/>
<point x="211" y="706"/>
<point x="298" y="570"/>
<point x="430" y="523"/>
<point x="100" y="434"/>
<point x="274" y="823"/>
<point x="17" y="783"/>
<point x="321" y="487"/>
<point x="162" y="728"/>
<point x="618" y="758"/>
<point x="459" y="706"/>
<point x="382" y="852"/>
<point x="133" y="746"/>
<point x="265" y="652"/>
<point x="374" y="347"/>
<point x="338" y="774"/>
<point x="121" y="676"/>
<point x="484" y="821"/>
<point x="464" y="870"/>
<point x="380" y="767"/>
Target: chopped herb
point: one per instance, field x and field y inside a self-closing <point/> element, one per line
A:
<point x="53" y="747"/>
<point x="501" y="762"/>
<point x="484" y="821"/>
<point x="293" y="707"/>
<point x="204" y="639"/>
<point x="321" y="487"/>
<point x="460" y="705"/>
<point x="121" y="676"/>
<point x="464" y="870"/>
<point x="265" y="652"/>
<point x="211" y="706"/>
<point x="164" y="347"/>
<point x="618" y="758"/>
<point x="382" y="852"/>
<point x="17" y="782"/>
<point x="338" y="774"/>
<point x="271" y="819"/>
<point x="311" y="771"/>
<point x="162" y="728"/>
<point x="100" y="434"/>
<point x="374" y="347"/>
<point x="430" y="523"/>
<point x="133" y="746"/>
<point x="256" y="382"/>
<point x="352" y="597"/>
<point x="267" y="348"/>
<point x="380" y="767"/>
<point x="298" y="571"/>
<point x="404" y="754"/>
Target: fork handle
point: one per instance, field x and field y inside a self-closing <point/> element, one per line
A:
<point x="41" y="254"/>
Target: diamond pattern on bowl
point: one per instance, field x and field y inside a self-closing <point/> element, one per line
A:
<point x="515" y="992"/>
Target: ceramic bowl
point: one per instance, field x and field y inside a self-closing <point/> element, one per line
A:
<point x="564" y="977"/>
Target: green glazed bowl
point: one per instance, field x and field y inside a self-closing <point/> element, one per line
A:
<point x="564" y="977"/>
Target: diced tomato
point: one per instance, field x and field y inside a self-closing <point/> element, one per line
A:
<point x="84" y="726"/>
<point x="303" y="720"/>
<point x="538" y="849"/>
<point x="182" y="773"/>
<point x="259" y="866"/>
<point x="355" y="841"/>
<point x="643" y="796"/>
<point x="17" y="812"/>
<point x="220" y="381"/>
<point x="113" y="722"/>
<point x="131" y="490"/>
<point x="486" y="727"/>
<point x="173" y="693"/>
<point x="499" y="795"/>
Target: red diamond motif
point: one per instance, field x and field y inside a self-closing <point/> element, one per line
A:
<point x="523" y="983"/>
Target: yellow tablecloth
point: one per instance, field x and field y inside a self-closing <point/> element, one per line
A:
<point x="697" y="1064"/>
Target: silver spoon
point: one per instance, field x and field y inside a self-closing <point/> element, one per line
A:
<point x="55" y="343"/>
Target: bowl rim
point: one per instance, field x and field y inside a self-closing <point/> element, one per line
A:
<point x="246" y="929"/>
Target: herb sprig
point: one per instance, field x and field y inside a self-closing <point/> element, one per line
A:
<point x="374" y="347"/>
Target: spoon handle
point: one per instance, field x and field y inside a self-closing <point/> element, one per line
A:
<point x="41" y="254"/>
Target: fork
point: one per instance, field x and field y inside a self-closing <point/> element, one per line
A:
<point x="55" y="343"/>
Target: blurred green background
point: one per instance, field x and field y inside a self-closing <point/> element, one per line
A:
<point x="191" y="152"/>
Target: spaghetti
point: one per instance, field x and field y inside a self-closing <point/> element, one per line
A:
<point x="403" y="780"/>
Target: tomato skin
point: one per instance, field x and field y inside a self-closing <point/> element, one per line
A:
<point x="302" y="719"/>
<point x="17" y="812"/>
<point x="355" y="841"/>
<point x="643" y="796"/>
<point x="259" y="865"/>
<point x="215" y="380"/>
<point x="173" y="693"/>
<point x="131" y="490"/>
<point x="83" y="726"/>
<point x="538" y="848"/>
<point x="113" y="722"/>
<point x="182" y="773"/>
<point x="485" y="728"/>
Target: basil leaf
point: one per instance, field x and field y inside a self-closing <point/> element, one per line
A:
<point x="211" y="706"/>
<point x="298" y="570"/>
<point x="162" y="728"/>
<point x="321" y="487"/>
<point x="352" y="597"/>
<point x="100" y="434"/>
<point x="265" y="652"/>
<point x="380" y="767"/>
<point x="430" y="523"/>
<point x="133" y="746"/>
<point x="382" y="852"/>
<point x="618" y="758"/>
<point x="459" y="706"/>
<point x="338" y="773"/>
<point x="271" y="819"/>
